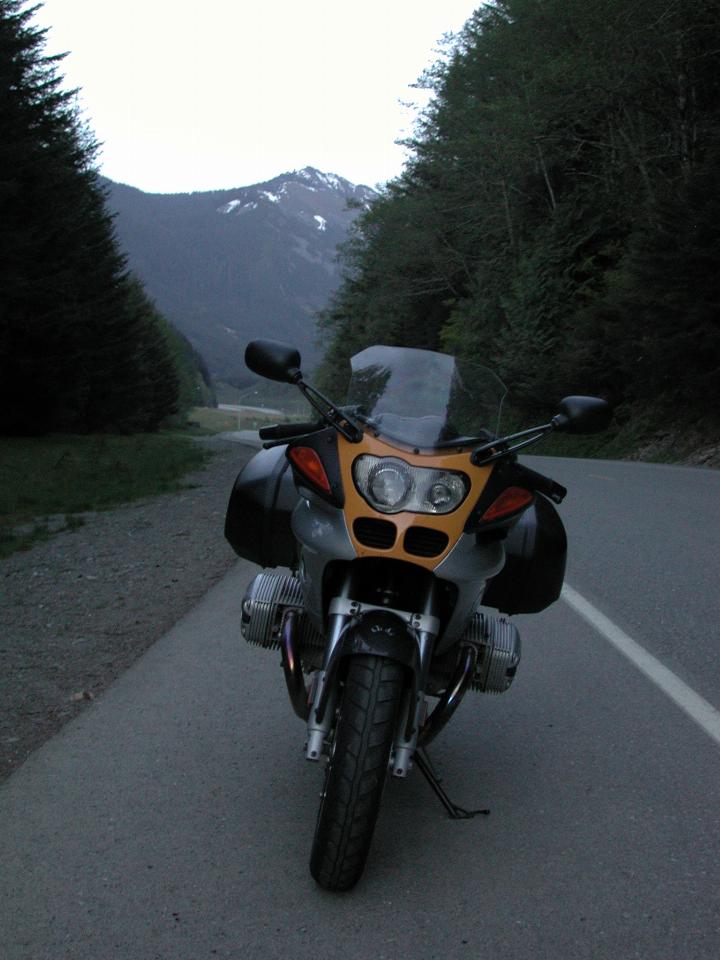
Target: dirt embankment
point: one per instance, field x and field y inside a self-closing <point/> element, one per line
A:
<point x="78" y="609"/>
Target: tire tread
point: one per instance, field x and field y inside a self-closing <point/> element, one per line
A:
<point x="357" y="771"/>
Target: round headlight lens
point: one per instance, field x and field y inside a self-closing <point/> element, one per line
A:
<point x="389" y="484"/>
<point x="447" y="492"/>
<point x="440" y="495"/>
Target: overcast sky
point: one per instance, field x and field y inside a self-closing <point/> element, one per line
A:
<point x="223" y="93"/>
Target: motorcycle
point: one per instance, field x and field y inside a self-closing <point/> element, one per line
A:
<point x="405" y="520"/>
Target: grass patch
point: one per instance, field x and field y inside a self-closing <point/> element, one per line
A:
<point x="204" y="421"/>
<point x="44" y="481"/>
<point x="270" y="394"/>
<point x="255" y="420"/>
<point x="24" y="535"/>
<point x="12" y="539"/>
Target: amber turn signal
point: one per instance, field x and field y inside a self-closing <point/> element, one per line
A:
<point x="511" y="500"/>
<point x="310" y="466"/>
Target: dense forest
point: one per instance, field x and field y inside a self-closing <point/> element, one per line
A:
<point x="82" y="348"/>
<point x="559" y="216"/>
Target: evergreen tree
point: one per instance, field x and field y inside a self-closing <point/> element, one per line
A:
<point x="661" y="313"/>
<point x="548" y="221"/>
<point x="76" y="339"/>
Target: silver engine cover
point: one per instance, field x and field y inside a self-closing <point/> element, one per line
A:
<point x="267" y="598"/>
<point x="498" y="645"/>
<point x="269" y="595"/>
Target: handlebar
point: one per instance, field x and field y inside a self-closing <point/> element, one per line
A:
<point x="286" y="431"/>
<point x="536" y="481"/>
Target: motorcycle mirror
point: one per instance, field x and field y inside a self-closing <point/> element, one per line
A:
<point x="273" y="360"/>
<point x="582" y="415"/>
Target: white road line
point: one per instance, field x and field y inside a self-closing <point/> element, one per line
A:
<point x="696" y="707"/>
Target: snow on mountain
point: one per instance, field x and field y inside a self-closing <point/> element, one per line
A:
<point x="228" y="265"/>
<point x="288" y="188"/>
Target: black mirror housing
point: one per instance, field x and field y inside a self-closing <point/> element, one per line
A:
<point x="583" y="415"/>
<point x="273" y="360"/>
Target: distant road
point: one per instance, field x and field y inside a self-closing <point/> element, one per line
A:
<point x="233" y="408"/>
<point x="174" y="818"/>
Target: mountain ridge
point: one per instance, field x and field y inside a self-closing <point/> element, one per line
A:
<point x="228" y="265"/>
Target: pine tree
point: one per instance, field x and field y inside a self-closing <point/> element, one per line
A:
<point x="549" y="222"/>
<point x="73" y="337"/>
<point x="662" y="314"/>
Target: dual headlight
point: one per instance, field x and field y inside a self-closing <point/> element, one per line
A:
<point x="390" y="485"/>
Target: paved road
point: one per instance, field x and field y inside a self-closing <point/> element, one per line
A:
<point x="645" y="547"/>
<point x="172" y="821"/>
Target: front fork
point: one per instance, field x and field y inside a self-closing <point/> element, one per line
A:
<point x="412" y="716"/>
<point x="323" y="696"/>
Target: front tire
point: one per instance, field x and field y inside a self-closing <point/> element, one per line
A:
<point x="357" y="770"/>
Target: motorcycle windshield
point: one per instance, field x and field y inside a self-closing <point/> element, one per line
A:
<point x="422" y="398"/>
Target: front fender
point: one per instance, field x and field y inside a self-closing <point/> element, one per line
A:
<point x="377" y="633"/>
<point x="380" y="633"/>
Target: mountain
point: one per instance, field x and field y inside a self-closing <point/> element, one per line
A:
<point x="225" y="266"/>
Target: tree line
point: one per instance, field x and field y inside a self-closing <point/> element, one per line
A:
<point x="82" y="348"/>
<point x="558" y="218"/>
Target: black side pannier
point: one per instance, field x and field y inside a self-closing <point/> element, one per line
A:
<point x="257" y="523"/>
<point x="535" y="554"/>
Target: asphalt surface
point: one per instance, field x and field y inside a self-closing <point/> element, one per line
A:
<point x="174" y="818"/>
<point x="644" y="545"/>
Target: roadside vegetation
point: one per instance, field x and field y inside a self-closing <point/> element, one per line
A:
<point x="278" y="398"/>
<point x="82" y="347"/>
<point x="645" y="435"/>
<point x="558" y="219"/>
<point x="92" y="377"/>
<point x="207" y="420"/>
<point x="204" y="421"/>
<point x="48" y="483"/>
<point x="641" y="433"/>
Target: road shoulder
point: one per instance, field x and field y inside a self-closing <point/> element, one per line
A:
<point x="79" y="609"/>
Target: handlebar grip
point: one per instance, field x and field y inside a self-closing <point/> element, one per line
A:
<point x="550" y="488"/>
<point x="286" y="431"/>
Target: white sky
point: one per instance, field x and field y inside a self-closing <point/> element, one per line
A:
<point x="223" y="93"/>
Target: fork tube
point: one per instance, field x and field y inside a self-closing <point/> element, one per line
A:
<point x="319" y="727"/>
<point x="409" y="727"/>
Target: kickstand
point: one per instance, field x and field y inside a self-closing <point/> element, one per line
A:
<point x="428" y="763"/>
<point x="428" y="771"/>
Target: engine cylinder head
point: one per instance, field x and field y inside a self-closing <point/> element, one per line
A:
<point x="499" y="650"/>
<point x="267" y="598"/>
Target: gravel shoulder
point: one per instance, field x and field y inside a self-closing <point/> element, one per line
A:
<point x="78" y="609"/>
